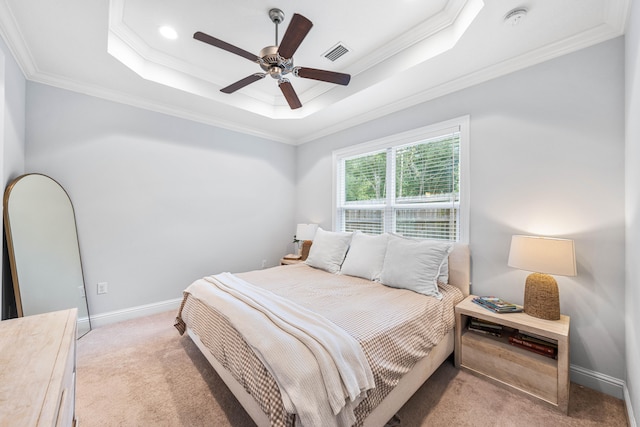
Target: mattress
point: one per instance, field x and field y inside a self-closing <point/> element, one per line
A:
<point x="395" y="328"/>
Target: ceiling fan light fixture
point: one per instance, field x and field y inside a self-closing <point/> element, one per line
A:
<point x="275" y="72"/>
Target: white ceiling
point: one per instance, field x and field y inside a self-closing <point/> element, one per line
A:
<point x="401" y="53"/>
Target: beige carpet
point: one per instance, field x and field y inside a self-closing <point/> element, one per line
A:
<point x="142" y="373"/>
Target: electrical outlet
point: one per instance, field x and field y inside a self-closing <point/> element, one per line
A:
<point x="264" y="263"/>
<point x="102" y="288"/>
<point x="81" y="291"/>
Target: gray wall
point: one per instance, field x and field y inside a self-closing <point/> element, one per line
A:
<point x="12" y="128"/>
<point x="546" y="156"/>
<point x="632" y="169"/>
<point x="159" y="201"/>
<point x="12" y="88"/>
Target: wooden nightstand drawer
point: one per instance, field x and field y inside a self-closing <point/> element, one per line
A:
<point x="531" y="373"/>
<point x="494" y="358"/>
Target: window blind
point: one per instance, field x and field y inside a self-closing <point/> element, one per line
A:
<point x="411" y="188"/>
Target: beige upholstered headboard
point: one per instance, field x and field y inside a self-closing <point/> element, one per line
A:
<point x="460" y="268"/>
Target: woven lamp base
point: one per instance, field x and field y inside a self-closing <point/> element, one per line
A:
<point x="304" y="250"/>
<point x="541" y="297"/>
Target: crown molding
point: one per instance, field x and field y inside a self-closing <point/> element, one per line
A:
<point x="143" y="103"/>
<point x="15" y="42"/>
<point x="580" y="41"/>
<point x="596" y="35"/>
<point x="614" y="18"/>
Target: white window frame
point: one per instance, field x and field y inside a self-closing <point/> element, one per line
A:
<point x="459" y="124"/>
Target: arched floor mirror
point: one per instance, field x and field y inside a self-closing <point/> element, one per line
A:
<point x="44" y="253"/>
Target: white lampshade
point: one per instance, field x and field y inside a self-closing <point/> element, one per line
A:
<point x="306" y="231"/>
<point x="543" y="255"/>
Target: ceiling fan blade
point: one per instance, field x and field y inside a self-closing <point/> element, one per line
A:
<point x="296" y="32"/>
<point x="323" y="75"/>
<point x="242" y="83"/>
<point x="206" y="38"/>
<point x="289" y="94"/>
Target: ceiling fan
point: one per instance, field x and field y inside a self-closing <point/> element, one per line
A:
<point x="277" y="61"/>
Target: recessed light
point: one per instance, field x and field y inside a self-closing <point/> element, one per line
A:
<point x="168" y="32"/>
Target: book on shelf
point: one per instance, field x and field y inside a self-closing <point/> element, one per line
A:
<point x="484" y="327"/>
<point x="484" y="323"/>
<point x="545" y="350"/>
<point x="494" y="332"/>
<point x="497" y="305"/>
<point x="530" y="336"/>
<point x="527" y="336"/>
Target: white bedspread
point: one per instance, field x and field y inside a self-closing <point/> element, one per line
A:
<point x="320" y="369"/>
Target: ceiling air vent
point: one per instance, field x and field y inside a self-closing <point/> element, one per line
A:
<point x="336" y="52"/>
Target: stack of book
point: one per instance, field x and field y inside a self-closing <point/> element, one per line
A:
<point x="535" y="343"/>
<point x="497" y="305"/>
<point x="485" y="327"/>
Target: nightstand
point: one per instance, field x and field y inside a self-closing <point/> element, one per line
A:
<point x="538" y="376"/>
<point x="285" y="261"/>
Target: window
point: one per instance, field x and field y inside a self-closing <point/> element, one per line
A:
<point x="413" y="184"/>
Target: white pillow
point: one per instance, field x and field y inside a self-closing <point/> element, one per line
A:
<point x="328" y="250"/>
<point x="414" y="264"/>
<point x="365" y="256"/>
<point x="444" y="270"/>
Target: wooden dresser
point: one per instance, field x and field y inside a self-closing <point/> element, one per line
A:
<point x="38" y="370"/>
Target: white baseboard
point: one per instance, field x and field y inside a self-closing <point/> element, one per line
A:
<point x="597" y="381"/>
<point x="627" y="400"/>
<point x="604" y="383"/>
<point x="102" y="319"/>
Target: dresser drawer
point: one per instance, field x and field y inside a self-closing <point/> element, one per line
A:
<point x="38" y="369"/>
<point x="66" y="408"/>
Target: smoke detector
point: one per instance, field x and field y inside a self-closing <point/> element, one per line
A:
<point x="514" y="17"/>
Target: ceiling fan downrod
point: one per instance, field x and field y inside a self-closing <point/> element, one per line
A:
<point x="277" y="16"/>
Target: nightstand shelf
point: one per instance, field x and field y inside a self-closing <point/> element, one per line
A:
<point x="285" y="261"/>
<point x="495" y="358"/>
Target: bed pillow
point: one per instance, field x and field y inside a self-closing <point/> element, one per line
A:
<point x="365" y="256"/>
<point x="414" y="264"/>
<point x="328" y="250"/>
<point x="444" y="268"/>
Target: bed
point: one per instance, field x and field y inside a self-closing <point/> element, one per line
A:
<point x="404" y="336"/>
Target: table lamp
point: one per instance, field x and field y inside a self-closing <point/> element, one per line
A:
<point x="305" y="234"/>
<point x="543" y="256"/>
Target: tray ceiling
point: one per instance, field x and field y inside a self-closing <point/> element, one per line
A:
<point x="399" y="53"/>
